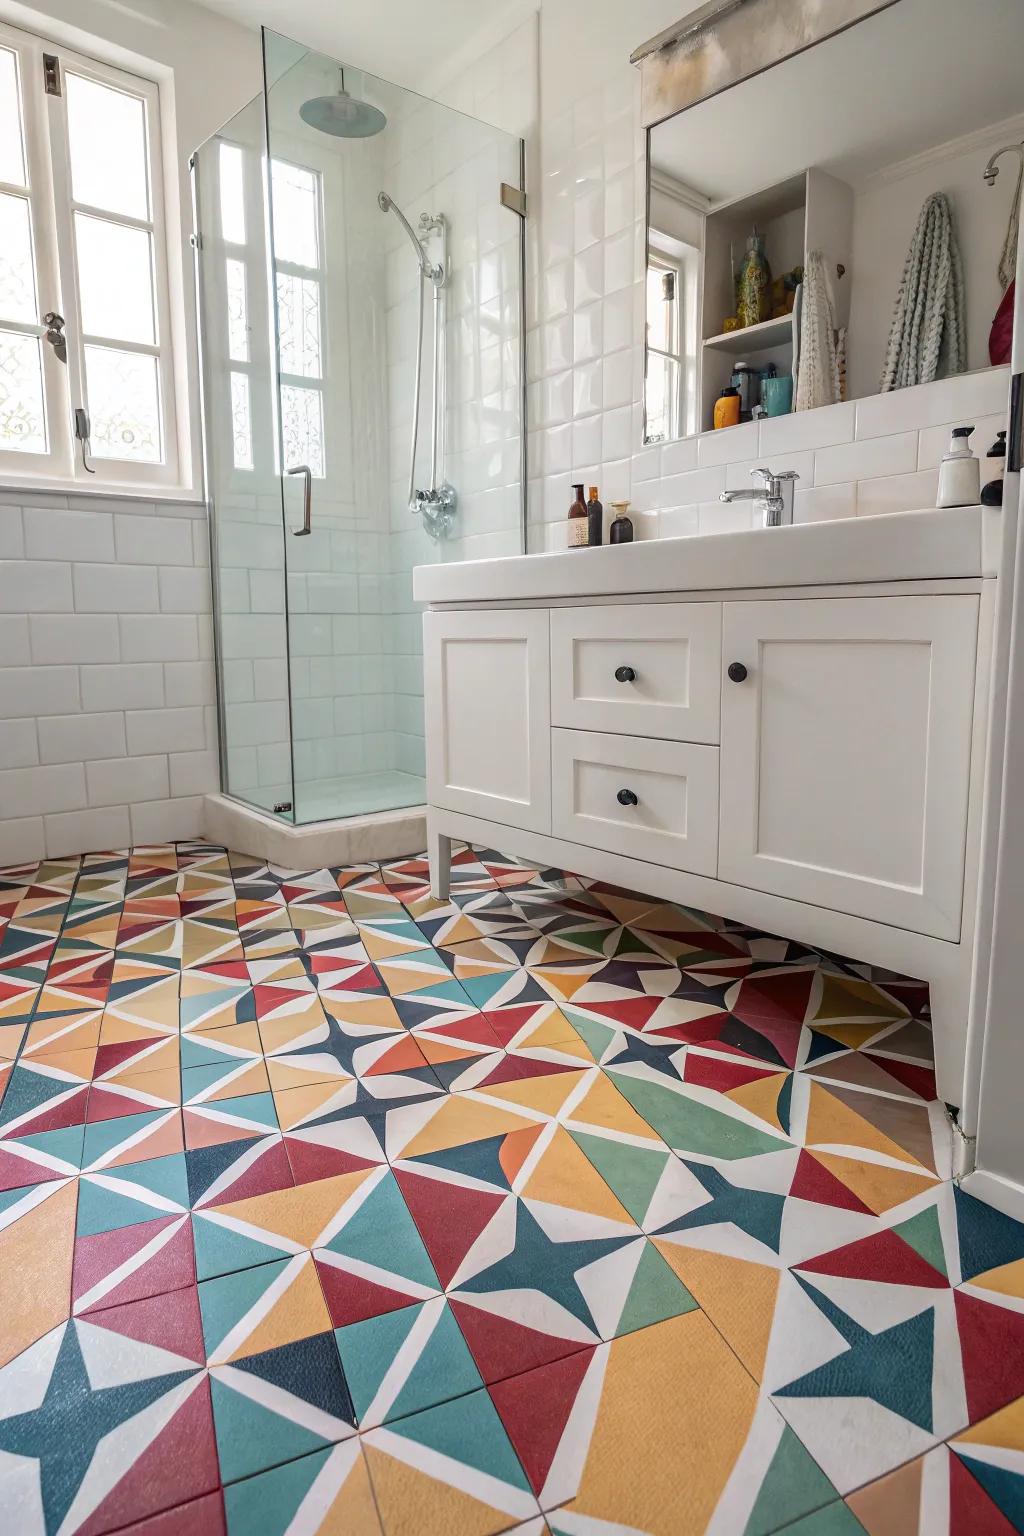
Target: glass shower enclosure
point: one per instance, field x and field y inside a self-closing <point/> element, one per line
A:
<point x="359" y="262"/>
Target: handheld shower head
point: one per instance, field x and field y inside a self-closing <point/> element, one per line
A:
<point x="991" y="170"/>
<point x="428" y="268"/>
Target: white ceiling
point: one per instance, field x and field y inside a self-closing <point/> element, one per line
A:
<point x="410" y="42"/>
<point x="919" y="74"/>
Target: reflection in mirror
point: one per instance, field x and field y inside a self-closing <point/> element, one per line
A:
<point x="826" y="230"/>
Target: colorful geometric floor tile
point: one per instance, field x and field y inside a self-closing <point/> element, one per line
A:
<point x="327" y="1207"/>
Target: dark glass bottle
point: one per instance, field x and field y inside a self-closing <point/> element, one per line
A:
<point x="595" y="519"/>
<point x="622" y="529"/>
<point x="578" y="521"/>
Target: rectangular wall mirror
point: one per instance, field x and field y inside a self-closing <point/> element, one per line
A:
<point x="803" y="186"/>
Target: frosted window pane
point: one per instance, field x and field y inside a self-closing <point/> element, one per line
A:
<point x="12" y="148"/>
<point x="124" y="405"/>
<point x="241" y="422"/>
<point x="17" y="277"/>
<point x="115" y="275"/>
<point x="294" y="192"/>
<point x="302" y="427"/>
<point x="22" y="420"/>
<point x="298" y="320"/>
<point x="107" y="135"/>
<point x="238" y="318"/>
<point x="232" y="194"/>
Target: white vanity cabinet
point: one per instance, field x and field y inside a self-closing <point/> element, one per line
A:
<point x="846" y="752"/>
<point x="804" y="758"/>
<point x="488" y="720"/>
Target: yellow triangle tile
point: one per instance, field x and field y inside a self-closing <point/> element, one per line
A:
<point x="460" y="1120"/>
<point x="298" y="1313"/>
<point x="832" y="1123"/>
<point x="353" y="1008"/>
<point x="403" y="1493"/>
<point x="40" y="1245"/>
<point x="761" y="1097"/>
<point x="287" y="1072"/>
<point x="352" y="1511"/>
<point x="162" y="1055"/>
<point x="565" y="1177"/>
<point x="850" y="997"/>
<point x="1005" y="1279"/>
<point x="626" y="909"/>
<point x="300" y="1214"/>
<point x="738" y="1296"/>
<point x="242" y="1037"/>
<point x="382" y="945"/>
<point x="1004" y="1429"/>
<point x="878" y="1187"/>
<point x="462" y="930"/>
<point x="253" y="1079"/>
<point x="565" y="983"/>
<point x="604" y="1105"/>
<point x="851" y="1035"/>
<point x="68" y="1033"/>
<point x="294" y="1105"/>
<point x="544" y="1094"/>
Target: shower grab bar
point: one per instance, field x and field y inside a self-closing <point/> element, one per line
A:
<point x="307" y="498"/>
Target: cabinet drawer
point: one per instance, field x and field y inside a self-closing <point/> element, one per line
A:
<point x="642" y="671"/>
<point x="675" y="785"/>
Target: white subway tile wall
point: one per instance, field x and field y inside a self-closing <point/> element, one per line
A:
<point x="106" y="685"/>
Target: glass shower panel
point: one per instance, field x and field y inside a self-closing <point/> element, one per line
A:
<point x="242" y="464"/>
<point x="386" y="225"/>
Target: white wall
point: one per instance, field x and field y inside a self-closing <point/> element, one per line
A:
<point x="585" y="355"/>
<point x="107" y="721"/>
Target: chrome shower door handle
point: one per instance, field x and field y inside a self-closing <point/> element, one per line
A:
<point x="307" y="498"/>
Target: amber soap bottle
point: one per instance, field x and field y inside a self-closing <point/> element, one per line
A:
<point x="595" y="519"/>
<point x="578" y="521"/>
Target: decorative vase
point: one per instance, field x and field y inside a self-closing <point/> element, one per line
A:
<point x="754" y="302"/>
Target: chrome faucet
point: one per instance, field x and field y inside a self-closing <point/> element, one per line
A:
<point x="774" y="496"/>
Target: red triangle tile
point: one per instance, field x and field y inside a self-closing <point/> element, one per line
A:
<point x="992" y="1350"/>
<point x="971" y="1511"/>
<point x="883" y="1257"/>
<point x="503" y="1348"/>
<point x="816" y="1184"/>
<point x="450" y="1218"/>
<point x="535" y="1409"/>
<point x="352" y="1298"/>
<point x="171" y="1322"/>
<point x="171" y="1267"/>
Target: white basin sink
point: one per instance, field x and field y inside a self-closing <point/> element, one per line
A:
<point x="896" y="546"/>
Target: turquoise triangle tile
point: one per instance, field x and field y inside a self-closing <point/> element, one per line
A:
<point x="254" y="1108"/>
<point x="596" y="1036"/>
<point x="368" y="1349"/>
<point x="266" y="1505"/>
<point x="383" y="1233"/>
<point x="197" y="1052"/>
<point x="195" y="1080"/>
<point x="632" y="1173"/>
<point x="480" y="989"/>
<point x="65" y="1144"/>
<point x="441" y="992"/>
<point x="657" y="1293"/>
<point x="691" y="1126"/>
<point x="28" y="1090"/>
<point x="794" y="1485"/>
<point x="224" y="1301"/>
<point x="442" y="1369"/>
<point x="102" y="1135"/>
<point x="251" y="1437"/>
<point x="220" y="1250"/>
<point x="468" y="1430"/>
<point x="120" y="1199"/>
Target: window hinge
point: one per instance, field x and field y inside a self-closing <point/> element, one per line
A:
<point x="51" y="74"/>
<point x="196" y="242"/>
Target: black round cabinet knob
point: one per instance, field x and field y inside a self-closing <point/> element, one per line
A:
<point x="626" y="797"/>
<point x="737" y="672"/>
<point x="625" y="675"/>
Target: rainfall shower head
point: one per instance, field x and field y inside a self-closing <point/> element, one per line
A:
<point x="343" y="116"/>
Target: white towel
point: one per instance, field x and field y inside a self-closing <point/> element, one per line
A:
<point x="817" y="380"/>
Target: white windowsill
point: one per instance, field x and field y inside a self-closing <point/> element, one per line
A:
<point x="107" y="490"/>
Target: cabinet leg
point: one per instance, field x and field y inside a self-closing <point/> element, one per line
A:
<point x="439" y="853"/>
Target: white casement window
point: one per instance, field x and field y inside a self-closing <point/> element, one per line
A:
<point x="87" y="386"/>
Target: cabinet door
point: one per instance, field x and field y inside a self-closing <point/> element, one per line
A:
<point x="846" y="754"/>
<point x="488" y="714"/>
<point x="653" y="800"/>
<point x="649" y="670"/>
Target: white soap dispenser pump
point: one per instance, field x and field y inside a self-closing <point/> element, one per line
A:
<point x="959" y="472"/>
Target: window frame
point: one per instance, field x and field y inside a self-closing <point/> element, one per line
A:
<point x="45" y="124"/>
<point x="663" y="261"/>
<point x="279" y="266"/>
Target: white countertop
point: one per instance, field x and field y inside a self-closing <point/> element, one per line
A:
<point x="896" y="546"/>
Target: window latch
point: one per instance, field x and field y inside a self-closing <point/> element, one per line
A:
<point x="55" y="334"/>
<point x="83" y="432"/>
<point x="51" y="75"/>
